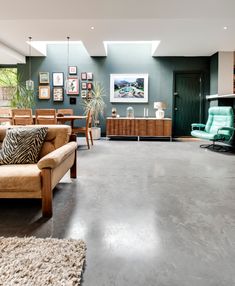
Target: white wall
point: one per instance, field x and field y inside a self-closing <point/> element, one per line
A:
<point x="225" y="74"/>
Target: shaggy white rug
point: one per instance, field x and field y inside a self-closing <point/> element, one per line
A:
<point x="41" y="261"/>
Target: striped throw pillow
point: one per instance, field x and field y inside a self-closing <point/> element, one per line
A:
<point x="22" y="145"/>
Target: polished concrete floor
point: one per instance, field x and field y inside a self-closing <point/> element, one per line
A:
<point x="151" y="213"/>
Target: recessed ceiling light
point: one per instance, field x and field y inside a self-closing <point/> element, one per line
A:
<point x="225" y="28"/>
<point x="92" y="28"/>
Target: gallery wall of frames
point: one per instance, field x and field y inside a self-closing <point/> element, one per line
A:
<point x="73" y="85"/>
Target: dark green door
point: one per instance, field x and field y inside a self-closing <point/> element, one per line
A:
<point x="187" y="102"/>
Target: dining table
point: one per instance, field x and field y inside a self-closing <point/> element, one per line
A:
<point x="60" y="119"/>
<point x="70" y="118"/>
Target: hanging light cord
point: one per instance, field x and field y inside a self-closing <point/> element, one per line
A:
<point x="30" y="49"/>
<point x="68" y="38"/>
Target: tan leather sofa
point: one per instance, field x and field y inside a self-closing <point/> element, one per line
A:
<point x="57" y="156"/>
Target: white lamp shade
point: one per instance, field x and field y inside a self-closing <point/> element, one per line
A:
<point x="160" y="113"/>
<point x="159" y="105"/>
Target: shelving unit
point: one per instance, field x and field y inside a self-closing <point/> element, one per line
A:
<point x="216" y="96"/>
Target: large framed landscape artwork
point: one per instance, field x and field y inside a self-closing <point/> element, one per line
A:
<point x="129" y="88"/>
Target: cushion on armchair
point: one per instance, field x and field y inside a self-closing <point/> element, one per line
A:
<point x="22" y="145"/>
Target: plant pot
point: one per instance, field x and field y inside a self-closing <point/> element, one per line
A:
<point x="96" y="133"/>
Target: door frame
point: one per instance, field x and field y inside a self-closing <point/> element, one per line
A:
<point x="201" y="74"/>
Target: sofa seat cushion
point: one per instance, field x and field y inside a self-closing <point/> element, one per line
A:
<point x="20" y="178"/>
<point x="22" y="145"/>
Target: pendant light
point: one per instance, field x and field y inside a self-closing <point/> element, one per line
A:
<point x="30" y="82"/>
<point x="67" y="80"/>
<point x="68" y="38"/>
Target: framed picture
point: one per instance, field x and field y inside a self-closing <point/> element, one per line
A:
<point x="44" y="92"/>
<point x="72" y="85"/>
<point x="89" y="94"/>
<point x="84" y="85"/>
<point x="129" y="88"/>
<point x="73" y="100"/>
<point x="58" y="78"/>
<point x="83" y="76"/>
<point x="43" y="77"/>
<point x="90" y="76"/>
<point x="84" y="94"/>
<point x="58" y="94"/>
<point x="89" y="85"/>
<point x="73" y="70"/>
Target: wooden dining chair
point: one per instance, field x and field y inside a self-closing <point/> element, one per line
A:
<point x="66" y="111"/>
<point x="62" y="113"/>
<point x="5" y="116"/>
<point x="22" y="116"/>
<point x="45" y="116"/>
<point x="86" y="130"/>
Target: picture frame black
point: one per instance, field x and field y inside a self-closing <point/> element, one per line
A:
<point x="89" y="76"/>
<point x="84" y="85"/>
<point x="83" y="76"/>
<point x="58" y="94"/>
<point x="89" y="85"/>
<point x="72" y="70"/>
<point x="89" y="94"/>
<point x="72" y="100"/>
<point x="58" y="79"/>
<point x="84" y="94"/>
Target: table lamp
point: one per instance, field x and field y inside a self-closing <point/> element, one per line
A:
<point x="160" y="106"/>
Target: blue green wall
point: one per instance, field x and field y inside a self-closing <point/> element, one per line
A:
<point x="121" y="59"/>
<point x="214" y="64"/>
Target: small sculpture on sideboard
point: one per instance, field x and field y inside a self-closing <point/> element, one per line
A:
<point x="130" y="112"/>
<point x="114" y="112"/>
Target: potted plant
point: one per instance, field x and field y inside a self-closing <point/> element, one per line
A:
<point x="96" y="105"/>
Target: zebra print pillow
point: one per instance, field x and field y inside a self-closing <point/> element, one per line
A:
<point x="22" y="145"/>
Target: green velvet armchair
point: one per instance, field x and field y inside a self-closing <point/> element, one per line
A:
<point x="219" y="127"/>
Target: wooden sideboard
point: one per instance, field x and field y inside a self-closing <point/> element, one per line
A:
<point x="138" y="127"/>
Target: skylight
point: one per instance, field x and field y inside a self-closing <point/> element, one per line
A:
<point x="154" y="44"/>
<point x="41" y="46"/>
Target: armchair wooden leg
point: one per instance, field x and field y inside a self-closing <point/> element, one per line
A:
<point x="87" y="140"/>
<point x="46" y="193"/>
<point x="91" y="137"/>
<point x="73" y="169"/>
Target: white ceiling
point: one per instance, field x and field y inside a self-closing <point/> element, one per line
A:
<point x="184" y="27"/>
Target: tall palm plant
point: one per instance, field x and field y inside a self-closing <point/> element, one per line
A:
<point x="96" y="103"/>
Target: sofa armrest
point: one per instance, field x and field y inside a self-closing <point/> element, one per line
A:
<point x="53" y="159"/>
<point x="198" y="125"/>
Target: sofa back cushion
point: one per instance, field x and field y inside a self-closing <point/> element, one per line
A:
<point x="22" y="145"/>
<point x="57" y="136"/>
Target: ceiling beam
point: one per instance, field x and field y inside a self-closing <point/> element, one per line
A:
<point x="95" y="48"/>
<point x="10" y="55"/>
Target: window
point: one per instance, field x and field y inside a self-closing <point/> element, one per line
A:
<point x="8" y="83"/>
